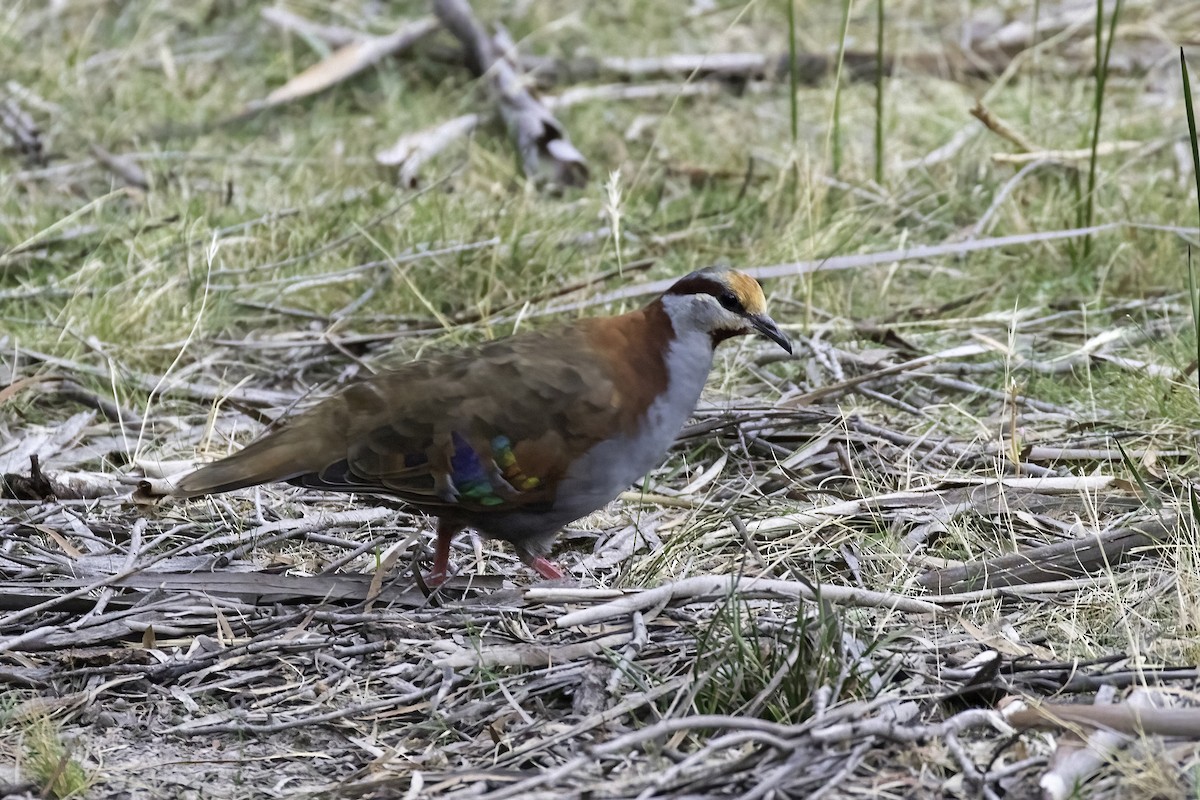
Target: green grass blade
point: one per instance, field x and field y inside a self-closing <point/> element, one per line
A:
<point x="1191" y="119"/>
<point x="793" y="77"/>
<point x="1149" y="497"/>
<point x="836" y="127"/>
<point x="879" y="29"/>
<point x="1103" y="54"/>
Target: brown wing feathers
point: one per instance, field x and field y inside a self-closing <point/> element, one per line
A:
<point x="416" y="431"/>
<point x="305" y="445"/>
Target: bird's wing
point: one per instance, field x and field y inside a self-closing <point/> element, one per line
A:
<point x="485" y="429"/>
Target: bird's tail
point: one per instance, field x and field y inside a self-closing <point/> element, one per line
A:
<point x="279" y="456"/>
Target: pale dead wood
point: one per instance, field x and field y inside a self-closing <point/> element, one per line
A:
<point x="256" y="587"/>
<point x="1103" y="149"/>
<point x="123" y="168"/>
<point x="351" y="58"/>
<point x="245" y="395"/>
<point x="111" y="410"/>
<point x="1058" y="561"/>
<point x="1035" y="592"/>
<point x="610" y="93"/>
<point x="705" y="588"/>
<point x="901" y="731"/>
<point x="412" y="151"/>
<point x="542" y="143"/>
<point x="738" y="68"/>
<point x="911" y="253"/>
<point x="530" y="655"/>
<point x="42" y="441"/>
<point x="332" y="35"/>
<point x="1130" y="719"/>
<point x="982" y="494"/>
<point x="1076" y="758"/>
<point x="477" y="692"/>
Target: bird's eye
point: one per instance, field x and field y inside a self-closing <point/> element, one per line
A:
<point x="729" y="302"/>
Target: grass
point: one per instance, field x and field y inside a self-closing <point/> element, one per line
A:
<point x="754" y="663"/>
<point x="283" y="225"/>
<point x="139" y="256"/>
<point x="1193" y="291"/>
<point x="34" y="745"/>
<point x="1103" y="57"/>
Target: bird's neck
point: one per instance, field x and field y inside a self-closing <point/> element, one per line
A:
<point x="687" y="361"/>
<point x="686" y="355"/>
<point x="650" y="359"/>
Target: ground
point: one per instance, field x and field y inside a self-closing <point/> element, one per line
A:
<point x="973" y="484"/>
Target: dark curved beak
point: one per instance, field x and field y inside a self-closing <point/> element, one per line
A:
<point x="767" y="327"/>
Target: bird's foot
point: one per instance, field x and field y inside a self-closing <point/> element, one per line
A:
<point x="436" y="578"/>
<point x="546" y="568"/>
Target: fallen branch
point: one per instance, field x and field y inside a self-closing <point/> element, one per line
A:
<point x="916" y="252"/>
<point x="545" y="150"/>
<point x="1052" y="562"/>
<point x="1077" y="758"/>
<point x="121" y="167"/>
<point x="351" y="58"/>
<point x="412" y="151"/>
<point x="523" y="654"/>
<point x="706" y="588"/>
<point x="61" y="485"/>
<point x="332" y="35"/>
<point x="1032" y="154"/>
<point x="934" y="497"/>
<point x="1126" y="718"/>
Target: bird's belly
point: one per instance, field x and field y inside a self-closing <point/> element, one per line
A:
<point x="613" y="466"/>
<point x="594" y="480"/>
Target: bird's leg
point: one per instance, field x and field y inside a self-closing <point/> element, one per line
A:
<point x="546" y="568"/>
<point x="446" y="531"/>
<point x="539" y="563"/>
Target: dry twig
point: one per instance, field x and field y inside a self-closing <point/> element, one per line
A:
<point x="542" y="143"/>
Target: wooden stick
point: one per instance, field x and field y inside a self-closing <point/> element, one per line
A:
<point x="545" y="150"/>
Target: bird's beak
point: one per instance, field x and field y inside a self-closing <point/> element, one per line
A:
<point x="767" y="327"/>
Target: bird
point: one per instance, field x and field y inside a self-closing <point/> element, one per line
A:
<point x="519" y="436"/>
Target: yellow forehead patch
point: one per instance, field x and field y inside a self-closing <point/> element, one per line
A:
<point x="748" y="291"/>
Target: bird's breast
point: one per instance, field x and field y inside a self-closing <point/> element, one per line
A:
<point x="613" y="465"/>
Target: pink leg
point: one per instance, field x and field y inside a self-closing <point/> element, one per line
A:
<point x="446" y="532"/>
<point x="536" y="561"/>
<point x="546" y="569"/>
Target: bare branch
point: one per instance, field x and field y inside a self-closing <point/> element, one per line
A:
<point x="543" y="146"/>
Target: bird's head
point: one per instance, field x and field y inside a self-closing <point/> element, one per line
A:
<point x="723" y="303"/>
